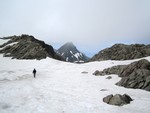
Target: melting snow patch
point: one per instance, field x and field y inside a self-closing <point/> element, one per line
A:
<point x="8" y="45"/>
<point x="12" y="43"/>
<point x="2" y="41"/>
<point x="67" y="59"/>
<point x="77" y="55"/>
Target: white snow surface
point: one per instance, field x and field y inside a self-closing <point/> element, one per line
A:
<point x="62" y="54"/>
<point x="61" y="87"/>
<point x="2" y="41"/>
<point x="67" y="59"/>
<point x="77" y="55"/>
<point x="9" y="45"/>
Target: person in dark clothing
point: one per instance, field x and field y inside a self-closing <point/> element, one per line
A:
<point x="34" y="72"/>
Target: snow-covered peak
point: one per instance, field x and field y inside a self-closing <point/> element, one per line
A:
<point x="69" y="52"/>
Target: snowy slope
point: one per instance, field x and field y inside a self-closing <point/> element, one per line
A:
<point x="2" y="41"/>
<point x="61" y="87"/>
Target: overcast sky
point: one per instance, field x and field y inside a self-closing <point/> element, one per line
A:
<point x="91" y="25"/>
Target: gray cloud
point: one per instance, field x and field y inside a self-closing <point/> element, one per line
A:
<point x="92" y="24"/>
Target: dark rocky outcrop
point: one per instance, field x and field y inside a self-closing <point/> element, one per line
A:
<point x="27" y="47"/>
<point x="118" y="100"/>
<point x="135" y="75"/>
<point x="71" y="54"/>
<point x="123" y="52"/>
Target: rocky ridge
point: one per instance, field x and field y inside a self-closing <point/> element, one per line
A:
<point x="27" y="47"/>
<point x="123" y="52"/>
<point x="135" y="75"/>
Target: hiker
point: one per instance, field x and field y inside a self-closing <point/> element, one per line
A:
<point x="34" y="72"/>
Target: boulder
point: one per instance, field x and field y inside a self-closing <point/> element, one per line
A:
<point x="118" y="100"/>
<point x="127" y="98"/>
<point x="107" y="98"/>
<point x="109" y="77"/>
<point x="96" y="73"/>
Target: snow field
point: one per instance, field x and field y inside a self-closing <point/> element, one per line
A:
<point x="61" y="87"/>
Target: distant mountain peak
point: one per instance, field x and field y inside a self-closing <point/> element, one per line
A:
<point x="67" y="47"/>
<point x="69" y="44"/>
<point x="69" y="52"/>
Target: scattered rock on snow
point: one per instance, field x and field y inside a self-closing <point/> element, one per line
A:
<point x="118" y="100"/>
<point x="98" y="73"/>
<point x="103" y="90"/>
<point x="84" y="72"/>
<point x="109" y="77"/>
<point x="107" y="99"/>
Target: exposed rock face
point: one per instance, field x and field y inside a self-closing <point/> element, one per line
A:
<point x="123" y="52"/>
<point x="135" y="75"/>
<point x="118" y="100"/>
<point x="69" y="52"/>
<point x="27" y="47"/>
